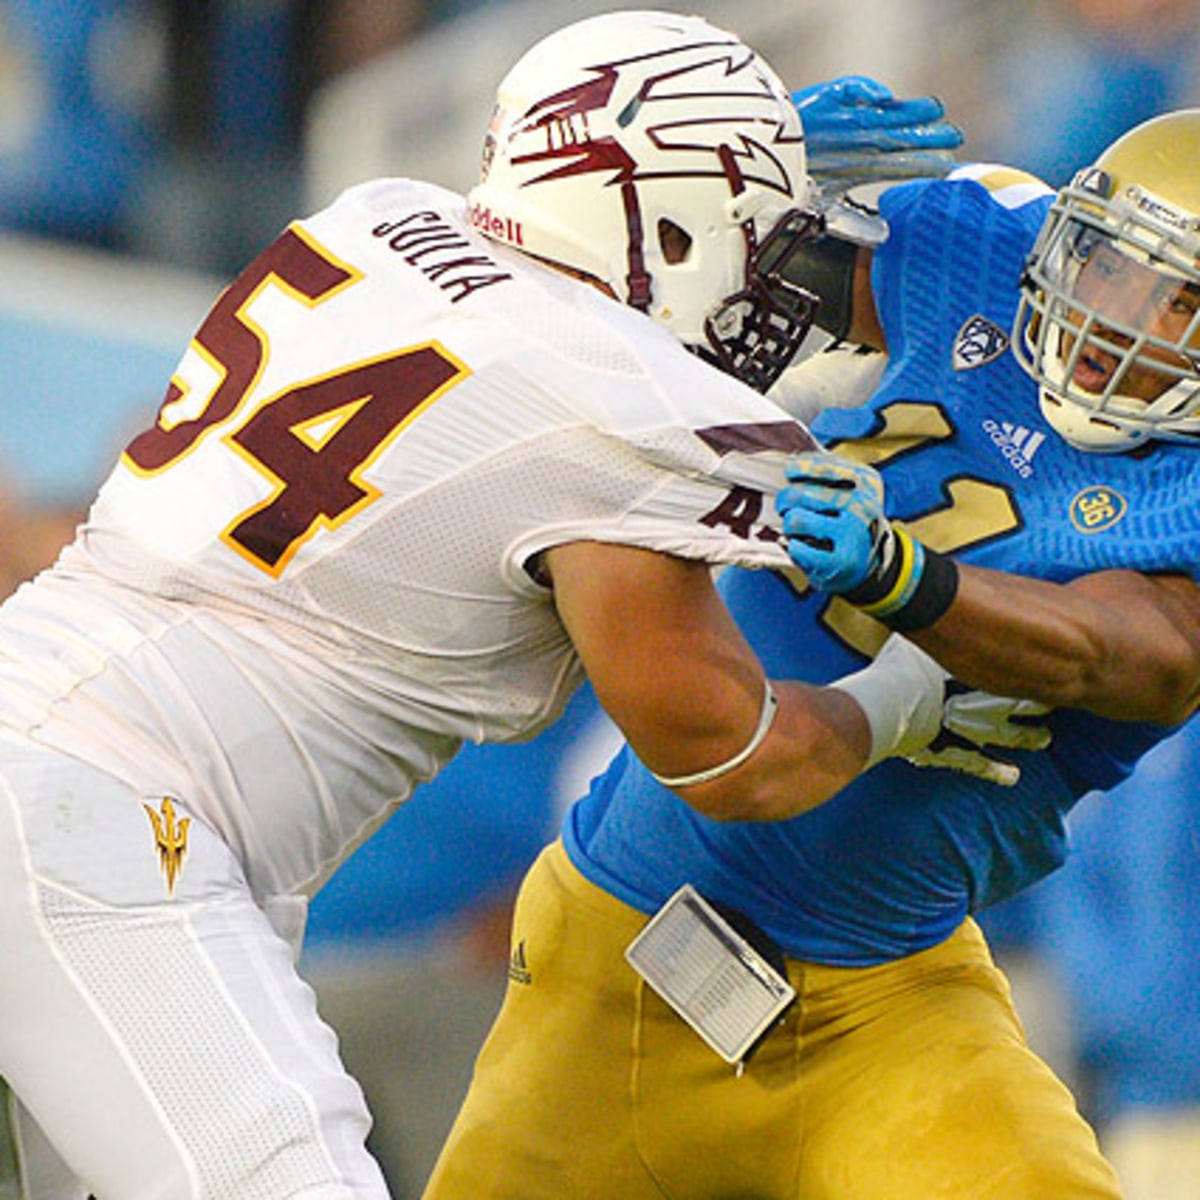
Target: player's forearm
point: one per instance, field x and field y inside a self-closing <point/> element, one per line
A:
<point x="1119" y="644"/>
<point x="818" y="743"/>
<point x="821" y="738"/>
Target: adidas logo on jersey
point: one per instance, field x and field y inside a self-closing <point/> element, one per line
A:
<point x="978" y="343"/>
<point x="1016" y="443"/>
<point x="518" y="968"/>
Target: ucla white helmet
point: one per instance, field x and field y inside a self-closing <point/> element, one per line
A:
<point x="619" y="132"/>
<point x="1109" y="318"/>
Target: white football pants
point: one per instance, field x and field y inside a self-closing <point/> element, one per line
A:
<point x="151" y="1018"/>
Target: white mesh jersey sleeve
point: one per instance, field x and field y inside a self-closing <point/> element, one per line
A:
<point x="305" y="584"/>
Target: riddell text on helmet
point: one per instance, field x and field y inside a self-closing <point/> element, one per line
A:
<point x="504" y="229"/>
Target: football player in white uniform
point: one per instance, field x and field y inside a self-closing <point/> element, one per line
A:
<point x="428" y="460"/>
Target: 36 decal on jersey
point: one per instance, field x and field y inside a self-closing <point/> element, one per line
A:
<point x="1097" y="508"/>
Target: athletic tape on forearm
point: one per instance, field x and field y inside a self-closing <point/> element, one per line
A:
<point x="765" y="718"/>
<point x="901" y="696"/>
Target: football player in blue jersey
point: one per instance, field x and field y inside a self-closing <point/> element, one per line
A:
<point x="812" y="1011"/>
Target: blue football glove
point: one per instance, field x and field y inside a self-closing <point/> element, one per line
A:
<point x="833" y="519"/>
<point x="856" y="132"/>
<point x="839" y="535"/>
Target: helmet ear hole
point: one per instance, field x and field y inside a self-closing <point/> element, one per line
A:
<point x="674" y="242"/>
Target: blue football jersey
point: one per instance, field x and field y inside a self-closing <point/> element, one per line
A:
<point x="894" y="863"/>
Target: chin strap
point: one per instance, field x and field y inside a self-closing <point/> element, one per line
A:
<point x="637" y="282"/>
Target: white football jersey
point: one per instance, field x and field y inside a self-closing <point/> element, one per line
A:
<point x="307" y="583"/>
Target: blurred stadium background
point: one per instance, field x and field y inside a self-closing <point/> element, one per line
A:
<point x="149" y="148"/>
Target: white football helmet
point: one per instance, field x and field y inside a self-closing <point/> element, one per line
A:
<point x="1109" y="318"/>
<point x="617" y="128"/>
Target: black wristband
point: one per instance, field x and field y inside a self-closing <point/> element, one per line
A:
<point x="914" y="588"/>
<point x="892" y="555"/>
<point x="934" y="593"/>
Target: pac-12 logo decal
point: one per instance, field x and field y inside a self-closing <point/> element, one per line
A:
<point x="978" y="343"/>
<point x="1097" y="508"/>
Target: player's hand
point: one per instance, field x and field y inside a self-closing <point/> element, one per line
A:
<point x="987" y="720"/>
<point x="838" y="534"/>
<point x="856" y="131"/>
<point x="902" y="693"/>
<point x="855" y="112"/>
<point x="966" y="760"/>
<point x="972" y="723"/>
<point x="833" y="518"/>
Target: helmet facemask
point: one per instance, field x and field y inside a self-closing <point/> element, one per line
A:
<point x="618" y="125"/>
<point x="1109" y="318"/>
<point x="755" y="333"/>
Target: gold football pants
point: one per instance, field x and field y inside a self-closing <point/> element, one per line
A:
<point x="906" y="1081"/>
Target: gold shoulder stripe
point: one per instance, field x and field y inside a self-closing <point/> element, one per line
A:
<point x="1009" y="186"/>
